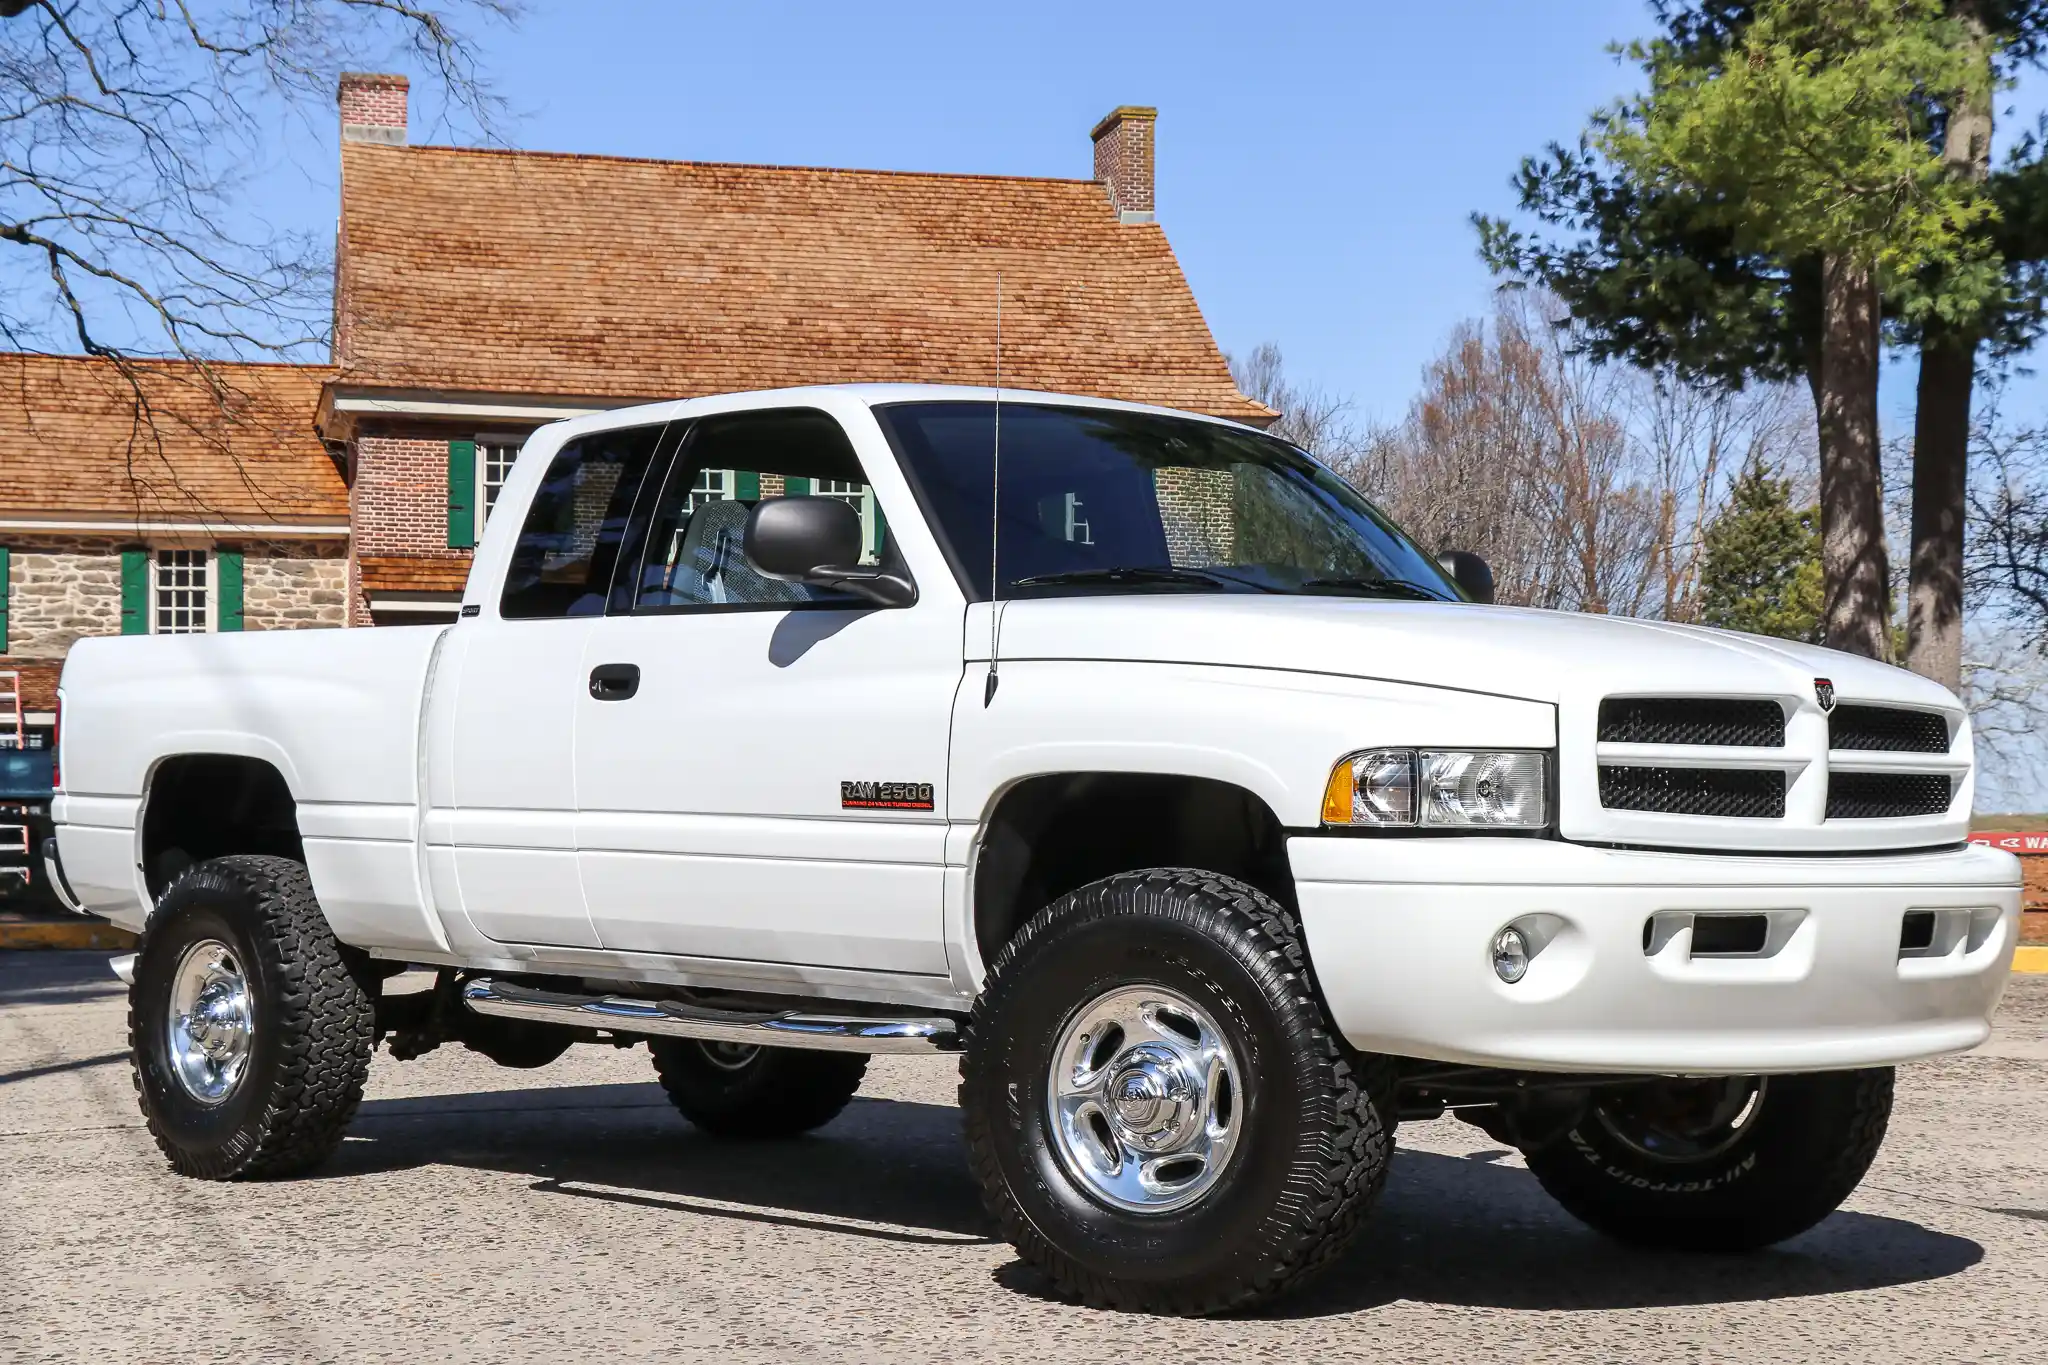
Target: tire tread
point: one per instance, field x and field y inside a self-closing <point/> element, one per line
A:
<point x="1354" y="1154"/>
<point x="324" y="1028"/>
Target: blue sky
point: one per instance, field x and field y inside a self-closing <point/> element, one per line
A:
<point x="1317" y="162"/>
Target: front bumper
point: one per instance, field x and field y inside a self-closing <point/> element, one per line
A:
<point x="1400" y="934"/>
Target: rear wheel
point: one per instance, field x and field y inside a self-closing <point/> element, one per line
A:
<point x="251" y="1034"/>
<point x="1722" y="1164"/>
<point x="1158" y="1112"/>
<point x="744" y="1090"/>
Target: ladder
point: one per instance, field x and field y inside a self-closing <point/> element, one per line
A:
<point x="13" y="723"/>
<point x="13" y="735"/>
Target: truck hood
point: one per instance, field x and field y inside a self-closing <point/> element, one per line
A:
<point x="1548" y="656"/>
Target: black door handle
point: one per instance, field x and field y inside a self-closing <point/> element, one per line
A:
<point x="614" y="682"/>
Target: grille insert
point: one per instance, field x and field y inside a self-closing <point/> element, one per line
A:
<point x="1738" y="793"/>
<point x="1887" y="728"/>
<point x="1692" y="720"/>
<point x="1886" y="796"/>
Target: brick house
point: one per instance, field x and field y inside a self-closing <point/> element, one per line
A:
<point x="481" y="293"/>
<point x="223" y="512"/>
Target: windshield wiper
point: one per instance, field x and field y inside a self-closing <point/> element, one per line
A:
<point x="1139" y="573"/>
<point x="1388" y="587"/>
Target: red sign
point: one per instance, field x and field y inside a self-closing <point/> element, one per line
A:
<point x="2014" y="841"/>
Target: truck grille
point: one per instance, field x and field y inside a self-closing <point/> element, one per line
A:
<point x="1738" y="793"/>
<point x="1771" y="772"/>
<point x="1887" y="796"/>
<point x="1887" y="728"/>
<point x="1755" y="724"/>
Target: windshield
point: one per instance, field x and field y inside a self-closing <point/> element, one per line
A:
<point x="1099" y="501"/>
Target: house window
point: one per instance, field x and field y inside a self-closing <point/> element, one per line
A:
<point x="711" y="485"/>
<point x="862" y="499"/>
<point x="1079" y="532"/>
<point x="494" y="459"/>
<point x="181" y="593"/>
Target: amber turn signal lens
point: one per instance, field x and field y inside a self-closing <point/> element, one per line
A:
<point x="1338" y="795"/>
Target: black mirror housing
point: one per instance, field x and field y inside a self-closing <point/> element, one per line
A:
<point x="818" y="541"/>
<point x="787" y="538"/>
<point x="1469" y="572"/>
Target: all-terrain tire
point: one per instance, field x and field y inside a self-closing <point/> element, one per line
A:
<point x="756" y="1092"/>
<point x="312" y="1023"/>
<point x="1315" y="1121"/>
<point x="1810" y="1141"/>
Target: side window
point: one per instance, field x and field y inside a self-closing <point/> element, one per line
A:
<point x="727" y="465"/>
<point x="580" y="517"/>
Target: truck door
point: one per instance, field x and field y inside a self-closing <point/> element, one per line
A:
<point x="517" y="681"/>
<point x="760" y="766"/>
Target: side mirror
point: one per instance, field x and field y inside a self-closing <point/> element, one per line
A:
<point x="817" y="541"/>
<point x="1468" y="571"/>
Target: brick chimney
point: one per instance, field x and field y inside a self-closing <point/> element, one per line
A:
<point x="1123" y="160"/>
<point x="373" y="107"/>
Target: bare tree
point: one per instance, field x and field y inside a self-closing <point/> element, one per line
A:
<point x="2005" y="686"/>
<point x="1587" y="485"/>
<point x="1312" y="418"/>
<point x="2006" y="536"/>
<point x="128" y="130"/>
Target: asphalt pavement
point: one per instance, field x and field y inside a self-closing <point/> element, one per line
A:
<point x="482" y="1214"/>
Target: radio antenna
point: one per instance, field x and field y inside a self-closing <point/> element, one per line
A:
<point x="995" y="517"/>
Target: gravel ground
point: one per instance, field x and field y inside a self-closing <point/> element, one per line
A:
<point x="482" y="1214"/>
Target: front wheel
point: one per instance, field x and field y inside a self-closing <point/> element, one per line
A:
<point x="1723" y="1164"/>
<point x="1158" y="1113"/>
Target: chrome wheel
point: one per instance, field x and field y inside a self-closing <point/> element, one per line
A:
<point x="1145" y="1100"/>
<point x="211" y="1023"/>
<point x="1684" y="1120"/>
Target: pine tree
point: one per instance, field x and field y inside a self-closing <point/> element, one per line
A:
<point x="1761" y="571"/>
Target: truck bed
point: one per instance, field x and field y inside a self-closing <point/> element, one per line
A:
<point x="335" y="712"/>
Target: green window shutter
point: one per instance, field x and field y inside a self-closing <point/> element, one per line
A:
<point x="746" y="485"/>
<point x="227" y="577"/>
<point x="461" y="494"/>
<point x="5" y="565"/>
<point x="796" y="486"/>
<point x="135" y="592"/>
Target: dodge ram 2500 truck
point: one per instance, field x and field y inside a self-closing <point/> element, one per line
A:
<point x="1131" y="755"/>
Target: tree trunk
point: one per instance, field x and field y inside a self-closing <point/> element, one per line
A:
<point x="1941" y="423"/>
<point x="1852" y="552"/>
<point x="1941" y="445"/>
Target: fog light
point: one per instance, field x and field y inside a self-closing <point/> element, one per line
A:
<point x="1510" y="955"/>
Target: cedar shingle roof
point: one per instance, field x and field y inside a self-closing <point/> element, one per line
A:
<point x="522" y="272"/>
<point x="407" y="573"/>
<point x="72" y="443"/>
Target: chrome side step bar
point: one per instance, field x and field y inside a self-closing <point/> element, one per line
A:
<point x="674" y="1019"/>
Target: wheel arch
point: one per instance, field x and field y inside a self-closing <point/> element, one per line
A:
<point x="201" y="805"/>
<point x="1047" y="834"/>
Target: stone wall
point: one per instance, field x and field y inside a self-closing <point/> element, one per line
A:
<point x="290" y="589"/>
<point x="62" y="588"/>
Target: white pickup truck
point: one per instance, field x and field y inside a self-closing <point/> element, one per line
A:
<point x="1216" y="825"/>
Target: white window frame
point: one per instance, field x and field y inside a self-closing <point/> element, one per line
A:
<point x="209" y="584"/>
<point x="727" y="487"/>
<point x="861" y="501"/>
<point x="485" y="442"/>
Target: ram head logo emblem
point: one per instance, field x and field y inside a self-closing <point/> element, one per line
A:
<point x="1824" y="693"/>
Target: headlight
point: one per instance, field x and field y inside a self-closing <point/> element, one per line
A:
<point x="1438" y="789"/>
